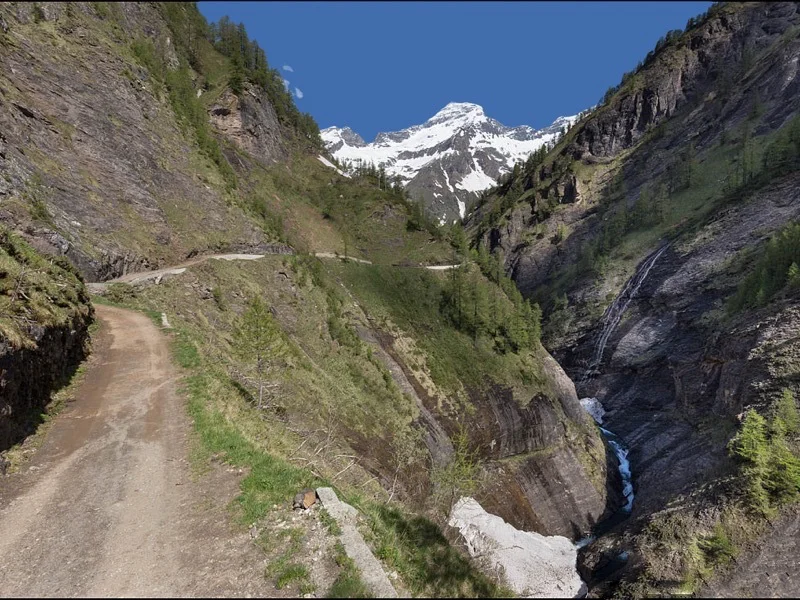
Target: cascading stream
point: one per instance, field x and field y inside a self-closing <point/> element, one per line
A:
<point x="613" y="314"/>
<point x="611" y="319"/>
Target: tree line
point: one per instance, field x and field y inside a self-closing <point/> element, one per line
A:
<point x="766" y="450"/>
<point x="481" y="309"/>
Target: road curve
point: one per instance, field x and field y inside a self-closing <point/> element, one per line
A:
<point x="107" y="507"/>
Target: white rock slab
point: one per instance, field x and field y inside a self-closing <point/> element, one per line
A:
<point x="354" y="545"/>
<point x="534" y="565"/>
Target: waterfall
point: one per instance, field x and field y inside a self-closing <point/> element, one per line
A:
<point x="613" y="314"/>
<point x="611" y="318"/>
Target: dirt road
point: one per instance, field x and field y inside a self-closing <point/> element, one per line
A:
<point x="107" y="506"/>
<point x="157" y="274"/>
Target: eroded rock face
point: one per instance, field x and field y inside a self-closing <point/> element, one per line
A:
<point x="711" y="48"/>
<point x="545" y="462"/>
<point x="94" y="164"/>
<point x="671" y="371"/>
<point x="533" y="565"/>
<point x="250" y="122"/>
<point x="692" y="89"/>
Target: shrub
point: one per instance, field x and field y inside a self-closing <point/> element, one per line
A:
<point x="718" y="549"/>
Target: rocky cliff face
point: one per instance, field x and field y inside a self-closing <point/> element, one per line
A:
<point x="250" y="122"/>
<point x="705" y="63"/>
<point x="28" y="376"/>
<point x="448" y="160"/>
<point x="545" y="464"/>
<point x="692" y="87"/>
<point x="676" y="369"/>
<point x="95" y="165"/>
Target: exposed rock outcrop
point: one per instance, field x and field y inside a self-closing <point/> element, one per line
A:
<point x="688" y="86"/>
<point x="708" y="53"/>
<point x="546" y="462"/>
<point x="250" y="122"/>
<point x="28" y="376"/>
<point x="43" y="333"/>
<point x="669" y="354"/>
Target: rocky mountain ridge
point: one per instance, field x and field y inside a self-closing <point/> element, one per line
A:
<point x="448" y="160"/>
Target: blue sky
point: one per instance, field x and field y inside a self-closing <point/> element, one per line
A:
<point x="383" y="66"/>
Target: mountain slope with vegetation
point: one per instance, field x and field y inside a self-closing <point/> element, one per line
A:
<point x="137" y="136"/>
<point x="697" y="150"/>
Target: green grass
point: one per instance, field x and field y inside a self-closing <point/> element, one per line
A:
<point x="283" y="567"/>
<point x="321" y="211"/>
<point x="329" y="522"/>
<point x="270" y="480"/>
<point x="292" y="573"/>
<point x="348" y="583"/>
<point x="416" y="548"/>
<point x="35" y="290"/>
<point x="412" y="299"/>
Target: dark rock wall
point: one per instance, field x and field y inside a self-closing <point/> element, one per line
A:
<point x="28" y="377"/>
<point x="677" y="374"/>
<point x="250" y="122"/>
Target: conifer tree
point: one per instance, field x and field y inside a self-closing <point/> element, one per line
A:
<point x="258" y="343"/>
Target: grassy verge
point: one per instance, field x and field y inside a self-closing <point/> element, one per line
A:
<point x="412" y="545"/>
<point x="416" y="548"/>
<point x="349" y="583"/>
<point x="285" y="547"/>
<point x="270" y="480"/>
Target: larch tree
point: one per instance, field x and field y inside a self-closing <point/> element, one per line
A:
<point x="257" y="342"/>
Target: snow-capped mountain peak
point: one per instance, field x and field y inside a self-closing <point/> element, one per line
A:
<point x="448" y="160"/>
<point x="461" y="112"/>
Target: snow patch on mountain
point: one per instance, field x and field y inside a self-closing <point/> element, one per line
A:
<point x="328" y="163"/>
<point x="476" y="181"/>
<point x="459" y="149"/>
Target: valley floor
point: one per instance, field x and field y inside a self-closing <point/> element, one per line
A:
<point x="108" y="506"/>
